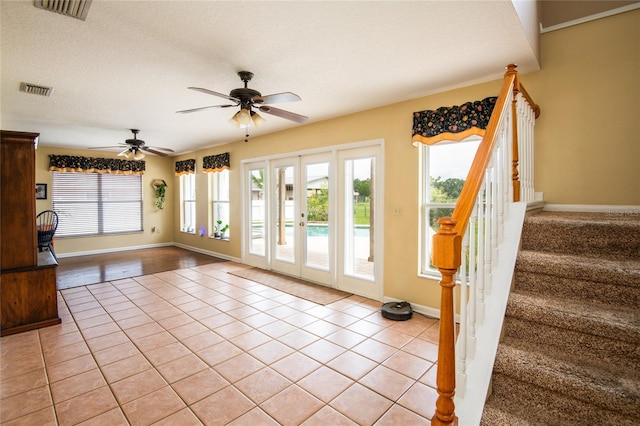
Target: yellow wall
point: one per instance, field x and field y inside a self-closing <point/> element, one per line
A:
<point x="587" y="139"/>
<point x="156" y="168"/>
<point x="587" y="148"/>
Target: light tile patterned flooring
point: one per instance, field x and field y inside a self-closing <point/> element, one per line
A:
<point x="201" y="346"/>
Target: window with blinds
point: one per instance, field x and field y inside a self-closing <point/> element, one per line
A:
<point x="97" y="204"/>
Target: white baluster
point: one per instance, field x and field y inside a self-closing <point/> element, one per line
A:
<point x="488" y="224"/>
<point x="461" y="346"/>
<point x="509" y="157"/>
<point x="500" y="184"/>
<point x="481" y="230"/>
<point x="471" y="314"/>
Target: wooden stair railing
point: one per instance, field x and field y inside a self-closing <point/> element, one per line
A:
<point x="484" y="206"/>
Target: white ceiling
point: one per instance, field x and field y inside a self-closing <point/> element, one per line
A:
<point x="128" y="65"/>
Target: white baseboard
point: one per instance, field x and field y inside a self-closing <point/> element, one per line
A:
<point x="111" y="250"/>
<point x="147" y="246"/>
<point x="592" y="208"/>
<point x="208" y="252"/>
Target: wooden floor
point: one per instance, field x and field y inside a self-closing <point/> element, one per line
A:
<point x="92" y="269"/>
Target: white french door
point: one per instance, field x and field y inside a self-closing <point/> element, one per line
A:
<point x="359" y="248"/>
<point x="305" y="220"/>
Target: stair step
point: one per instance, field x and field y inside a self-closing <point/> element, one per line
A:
<point x="609" y="354"/>
<point x="517" y="403"/>
<point x="578" y="316"/>
<point x="590" y="386"/>
<point x="499" y="412"/>
<point x="579" y="277"/>
<point x="589" y="234"/>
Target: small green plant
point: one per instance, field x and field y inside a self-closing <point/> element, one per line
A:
<point x="217" y="228"/>
<point x="160" y="187"/>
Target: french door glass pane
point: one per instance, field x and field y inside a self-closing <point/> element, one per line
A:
<point x="285" y="222"/>
<point x="257" y="212"/>
<point x="317" y="221"/>
<point x="358" y="220"/>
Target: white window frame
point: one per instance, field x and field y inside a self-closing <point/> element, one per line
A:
<point x="426" y="204"/>
<point x="188" y="203"/>
<point x="219" y="202"/>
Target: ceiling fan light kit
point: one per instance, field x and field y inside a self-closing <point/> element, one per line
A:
<point x="243" y="119"/>
<point x="126" y="154"/>
<point x="247" y="99"/>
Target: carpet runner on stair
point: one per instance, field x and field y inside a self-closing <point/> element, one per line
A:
<point x="571" y="348"/>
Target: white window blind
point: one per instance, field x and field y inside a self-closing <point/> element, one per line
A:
<point x="97" y="204"/>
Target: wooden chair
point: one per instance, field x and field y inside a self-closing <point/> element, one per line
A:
<point x="46" y="225"/>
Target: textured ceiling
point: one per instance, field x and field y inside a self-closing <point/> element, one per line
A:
<point x="128" y="65"/>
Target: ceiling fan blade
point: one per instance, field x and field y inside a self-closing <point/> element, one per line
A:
<point x="211" y="92"/>
<point x="153" y="151"/>
<point x="160" y="148"/>
<point x="284" y="114"/>
<point x="185" y="111"/>
<point x="107" y="147"/>
<point x="277" y="98"/>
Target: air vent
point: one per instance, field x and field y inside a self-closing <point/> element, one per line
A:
<point x="34" y="89"/>
<point x="73" y="8"/>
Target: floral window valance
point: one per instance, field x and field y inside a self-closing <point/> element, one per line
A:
<point x="186" y="166"/>
<point x="452" y="123"/>
<point x="216" y="163"/>
<point x="116" y="166"/>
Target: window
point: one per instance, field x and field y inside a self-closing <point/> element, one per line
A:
<point x="97" y="204"/>
<point x="188" y="203"/>
<point x="219" y="207"/>
<point x="445" y="166"/>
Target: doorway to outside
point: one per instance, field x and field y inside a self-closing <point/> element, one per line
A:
<point x="318" y="216"/>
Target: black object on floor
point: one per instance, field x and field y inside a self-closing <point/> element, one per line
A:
<point x="398" y="311"/>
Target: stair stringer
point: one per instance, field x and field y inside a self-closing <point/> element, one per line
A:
<point x="470" y="400"/>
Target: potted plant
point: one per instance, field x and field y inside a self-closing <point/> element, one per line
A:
<point x="223" y="231"/>
<point x="216" y="229"/>
<point x="160" y="187"/>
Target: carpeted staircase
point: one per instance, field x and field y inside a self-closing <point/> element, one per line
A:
<point x="571" y="348"/>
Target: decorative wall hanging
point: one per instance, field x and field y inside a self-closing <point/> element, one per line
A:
<point x="41" y="191"/>
<point x="160" y="188"/>
<point x="72" y="163"/>
<point x="185" y="167"/>
<point x="452" y="123"/>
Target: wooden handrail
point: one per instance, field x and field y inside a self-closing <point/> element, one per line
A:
<point x="472" y="184"/>
<point x="519" y="88"/>
<point x="447" y="257"/>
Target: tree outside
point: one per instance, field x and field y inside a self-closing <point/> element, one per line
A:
<point x="443" y="191"/>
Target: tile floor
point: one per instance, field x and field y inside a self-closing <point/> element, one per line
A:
<point x="201" y="346"/>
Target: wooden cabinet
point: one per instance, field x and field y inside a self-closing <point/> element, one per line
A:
<point x="18" y="200"/>
<point x="27" y="278"/>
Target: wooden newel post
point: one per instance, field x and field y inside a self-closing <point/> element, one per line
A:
<point x="515" y="175"/>
<point x="446" y="257"/>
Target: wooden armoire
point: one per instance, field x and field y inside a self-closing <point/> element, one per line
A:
<point x="28" y="297"/>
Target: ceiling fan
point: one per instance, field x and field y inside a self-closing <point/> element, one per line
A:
<point x="135" y="147"/>
<point x="248" y="100"/>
